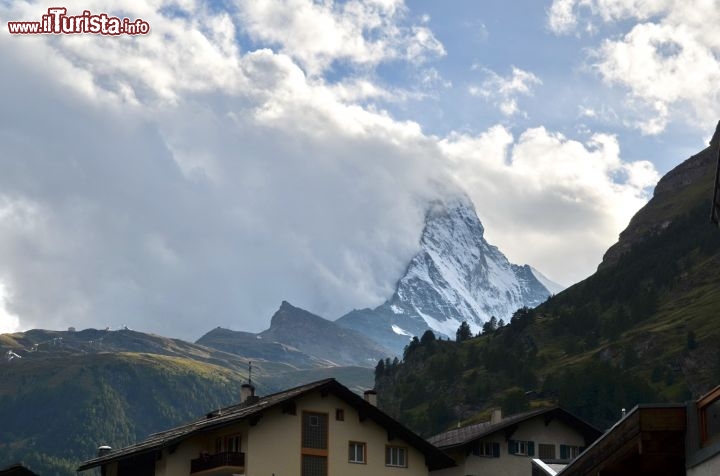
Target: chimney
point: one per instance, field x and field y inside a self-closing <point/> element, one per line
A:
<point x="103" y="450"/>
<point x="495" y="416"/>
<point x="247" y="392"/>
<point x="371" y="397"/>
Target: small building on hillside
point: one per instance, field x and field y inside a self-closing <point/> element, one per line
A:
<point x="507" y="446"/>
<point x="318" y="429"/>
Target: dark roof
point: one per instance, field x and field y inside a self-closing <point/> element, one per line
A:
<point x="618" y="451"/>
<point x="434" y="457"/>
<point x="470" y="433"/>
<point x="16" y="470"/>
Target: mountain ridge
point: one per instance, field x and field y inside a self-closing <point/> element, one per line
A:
<point x="300" y="338"/>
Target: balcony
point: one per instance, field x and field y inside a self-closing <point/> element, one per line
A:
<point x="208" y="464"/>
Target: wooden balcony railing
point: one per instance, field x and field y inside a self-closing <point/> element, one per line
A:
<point x="208" y="461"/>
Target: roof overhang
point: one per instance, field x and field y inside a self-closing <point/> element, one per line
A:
<point x="648" y="440"/>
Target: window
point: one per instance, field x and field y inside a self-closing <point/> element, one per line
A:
<point x="314" y="465"/>
<point x="315" y="430"/>
<point x="569" y="451"/>
<point x="339" y="414"/>
<point x="709" y="413"/>
<point x="486" y="448"/>
<point x="314" y="449"/>
<point x="232" y="444"/>
<point x="521" y="448"/>
<point x="546" y="451"/>
<point x="396" y="456"/>
<point x="356" y="452"/>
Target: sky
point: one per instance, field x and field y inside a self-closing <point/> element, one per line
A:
<point x="244" y="153"/>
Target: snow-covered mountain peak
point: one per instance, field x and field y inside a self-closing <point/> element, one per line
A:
<point x="451" y="226"/>
<point x="455" y="276"/>
<point x="458" y="276"/>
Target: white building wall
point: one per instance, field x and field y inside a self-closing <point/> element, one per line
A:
<point x="272" y="446"/>
<point x="710" y="467"/>
<point x="555" y="432"/>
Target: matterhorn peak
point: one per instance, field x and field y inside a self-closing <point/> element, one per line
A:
<point x="456" y="276"/>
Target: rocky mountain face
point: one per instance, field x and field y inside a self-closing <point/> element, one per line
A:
<point x="302" y="339"/>
<point x="685" y="185"/>
<point x="252" y="346"/>
<point x="456" y="276"/>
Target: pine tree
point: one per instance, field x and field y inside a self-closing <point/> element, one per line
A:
<point x="463" y="332"/>
<point x="428" y="338"/>
<point x="379" y="369"/>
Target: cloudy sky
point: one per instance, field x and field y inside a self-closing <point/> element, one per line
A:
<point x="252" y="151"/>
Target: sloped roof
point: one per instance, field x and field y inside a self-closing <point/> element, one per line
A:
<point x="470" y="433"/>
<point x="434" y="457"/>
<point x="619" y="450"/>
<point x="16" y="470"/>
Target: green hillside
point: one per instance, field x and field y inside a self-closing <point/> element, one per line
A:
<point x="642" y="328"/>
<point x="56" y="412"/>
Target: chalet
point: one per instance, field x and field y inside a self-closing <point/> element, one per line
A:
<point x="507" y="446"/>
<point x="317" y="429"/>
<point x="668" y="439"/>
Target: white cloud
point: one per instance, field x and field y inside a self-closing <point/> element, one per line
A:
<point x="8" y="322"/>
<point x="561" y="17"/>
<point x="668" y="69"/>
<point x="504" y="91"/>
<point x="668" y="60"/>
<point x="542" y="194"/>
<point x="320" y="33"/>
<point x="564" y="15"/>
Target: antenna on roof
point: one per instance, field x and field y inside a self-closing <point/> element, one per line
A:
<point x="250" y="372"/>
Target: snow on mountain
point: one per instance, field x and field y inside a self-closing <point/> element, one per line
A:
<point x="456" y="276"/>
<point x="551" y="285"/>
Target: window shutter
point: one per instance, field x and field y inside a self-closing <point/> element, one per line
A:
<point x="531" y="448"/>
<point x="512" y="447"/>
<point x="496" y="450"/>
<point x="563" y="452"/>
